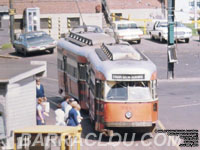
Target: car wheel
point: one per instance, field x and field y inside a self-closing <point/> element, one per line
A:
<point x="25" y="53"/>
<point x="152" y="37"/>
<point x="160" y="38"/>
<point x="51" y="50"/>
<point x="187" y="40"/>
<point x="16" y="51"/>
<point x="138" y="41"/>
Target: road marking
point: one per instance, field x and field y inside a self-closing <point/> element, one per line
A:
<point x="170" y="138"/>
<point x="10" y="57"/>
<point x="188" y="105"/>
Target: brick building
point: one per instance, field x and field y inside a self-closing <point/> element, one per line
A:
<point x="60" y="11"/>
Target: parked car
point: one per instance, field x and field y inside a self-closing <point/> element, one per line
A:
<point x="34" y="41"/>
<point x="127" y="31"/>
<point x="159" y="30"/>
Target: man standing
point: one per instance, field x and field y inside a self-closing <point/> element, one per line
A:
<point x="40" y="90"/>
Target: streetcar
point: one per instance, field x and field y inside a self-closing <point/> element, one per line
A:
<point x="115" y="82"/>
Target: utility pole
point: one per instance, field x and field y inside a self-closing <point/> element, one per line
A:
<point x="11" y="13"/>
<point x="171" y="52"/>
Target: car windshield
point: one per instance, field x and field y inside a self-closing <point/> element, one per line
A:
<point x="95" y="29"/>
<point x="162" y="24"/>
<point x="129" y="91"/>
<point x="36" y="36"/>
<point x="176" y="24"/>
<point x="126" y="26"/>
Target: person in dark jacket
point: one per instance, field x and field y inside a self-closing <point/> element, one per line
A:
<point x="40" y="90"/>
<point x="73" y="115"/>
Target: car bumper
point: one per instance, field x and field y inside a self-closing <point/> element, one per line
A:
<point x="130" y="38"/>
<point x="41" y="48"/>
<point x="178" y="37"/>
<point x="128" y="124"/>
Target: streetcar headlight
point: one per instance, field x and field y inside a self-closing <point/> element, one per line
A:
<point x="128" y="115"/>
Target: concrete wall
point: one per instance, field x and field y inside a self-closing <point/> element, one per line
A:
<point x="140" y="14"/>
<point x="89" y="19"/>
<point x="182" y="10"/>
<point x="20" y="106"/>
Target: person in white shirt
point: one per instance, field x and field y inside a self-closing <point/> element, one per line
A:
<point x="60" y="116"/>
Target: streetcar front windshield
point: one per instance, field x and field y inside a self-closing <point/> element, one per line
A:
<point x="129" y="91"/>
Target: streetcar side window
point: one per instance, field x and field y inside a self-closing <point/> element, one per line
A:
<point x="82" y="71"/>
<point x="60" y="64"/>
<point x="92" y="86"/>
<point x="72" y="68"/>
<point x="99" y="89"/>
<point x="92" y="81"/>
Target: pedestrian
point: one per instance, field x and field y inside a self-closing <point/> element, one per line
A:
<point x="65" y="103"/>
<point x="78" y="108"/>
<point x="73" y="115"/>
<point x="40" y="90"/>
<point x="68" y="108"/>
<point x="40" y="112"/>
<point x="60" y="116"/>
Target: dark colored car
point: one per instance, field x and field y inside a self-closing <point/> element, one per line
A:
<point x="34" y="41"/>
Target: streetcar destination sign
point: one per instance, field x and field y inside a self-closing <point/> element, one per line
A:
<point x="128" y="76"/>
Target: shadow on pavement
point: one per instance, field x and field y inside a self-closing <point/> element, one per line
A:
<point x="32" y="54"/>
<point x="88" y="133"/>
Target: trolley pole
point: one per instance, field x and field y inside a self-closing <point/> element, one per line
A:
<point x="171" y="53"/>
<point x="11" y="12"/>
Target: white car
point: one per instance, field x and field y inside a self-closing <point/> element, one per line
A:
<point x="127" y="31"/>
<point x="159" y="31"/>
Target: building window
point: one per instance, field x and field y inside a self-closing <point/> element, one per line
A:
<point x="73" y="22"/>
<point x="45" y="23"/>
<point x="18" y="24"/>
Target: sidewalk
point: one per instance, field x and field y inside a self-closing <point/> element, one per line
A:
<point x="8" y="53"/>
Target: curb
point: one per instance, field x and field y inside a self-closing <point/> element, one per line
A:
<point x="10" y="57"/>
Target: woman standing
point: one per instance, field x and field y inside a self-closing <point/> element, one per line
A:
<point x="40" y="113"/>
<point x="73" y="115"/>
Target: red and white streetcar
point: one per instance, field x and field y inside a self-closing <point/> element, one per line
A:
<point x="114" y="82"/>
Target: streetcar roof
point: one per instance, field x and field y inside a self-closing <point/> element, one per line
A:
<point x="123" y="51"/>
<point x="98" y="38"/>
<point x="89" y="38"/>
<point x="125" y="65"/>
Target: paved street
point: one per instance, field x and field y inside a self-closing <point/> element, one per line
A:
<point x="179" y="105"/>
